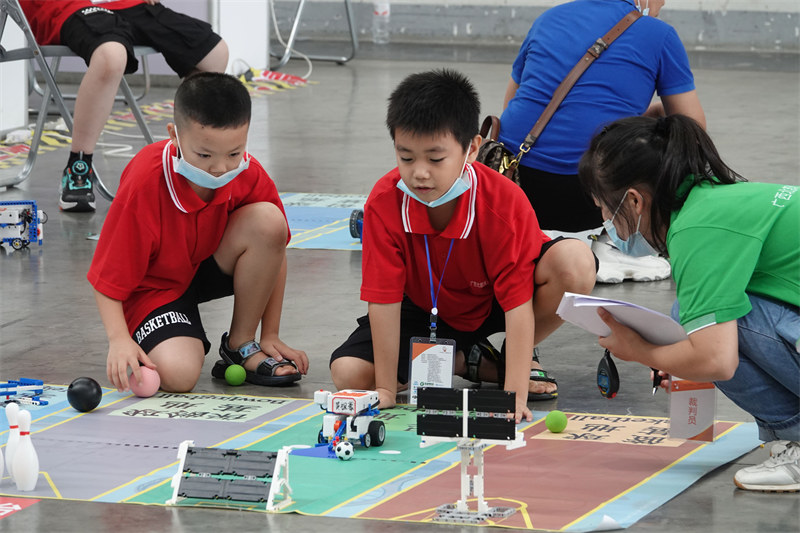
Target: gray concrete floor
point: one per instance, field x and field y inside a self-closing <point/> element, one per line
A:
<point x="329" y="137"/>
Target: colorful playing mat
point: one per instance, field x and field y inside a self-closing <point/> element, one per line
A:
<point x="602" y="472"/>
<point x="322" y="221"/>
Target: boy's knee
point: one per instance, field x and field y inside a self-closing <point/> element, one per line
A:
<point x="572" y="265"/>
<point x="263" y="222"/>
<point x="352" y="373"/>
<point x="109" y="59"/>
<point x="178" y="379"/>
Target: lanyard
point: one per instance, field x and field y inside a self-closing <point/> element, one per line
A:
<point x="435" y="296"/>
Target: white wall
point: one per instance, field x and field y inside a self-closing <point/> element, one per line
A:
<point x="13" y="83"/>
<point x="245" y="26"/>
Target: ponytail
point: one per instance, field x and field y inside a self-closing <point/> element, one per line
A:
<point x="656" y="154"/>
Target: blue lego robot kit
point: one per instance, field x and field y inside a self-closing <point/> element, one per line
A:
<point x="20" y="224"/>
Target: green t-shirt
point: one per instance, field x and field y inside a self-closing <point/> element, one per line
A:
<point x="729" y="240"/>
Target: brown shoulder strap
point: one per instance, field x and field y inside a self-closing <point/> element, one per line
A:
<point x="599" y="46"/>
<point x="490" y="128"/>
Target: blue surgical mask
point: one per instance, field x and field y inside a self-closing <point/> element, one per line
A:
<point x="201" y="177"/>
<point x="459" y="187"/>
<point x="635" y="245"/>
<point x="646" y="10"/>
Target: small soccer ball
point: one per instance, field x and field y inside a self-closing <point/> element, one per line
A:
<point x="344" y="450"/>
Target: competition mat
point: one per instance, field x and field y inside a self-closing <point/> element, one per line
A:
<point x="602" y="472"/>
<point x="322" y="221"/>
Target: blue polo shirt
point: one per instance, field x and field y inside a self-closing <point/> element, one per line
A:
<point x="647" y="58"/>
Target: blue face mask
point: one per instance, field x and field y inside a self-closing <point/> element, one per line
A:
<point x="201" y="177"/>
<point x="646" y="10"/>
<point x="459" y="187"/>
<point x="635" y="245"/>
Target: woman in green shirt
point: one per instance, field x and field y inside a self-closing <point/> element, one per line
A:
<point x="735" y="253"/>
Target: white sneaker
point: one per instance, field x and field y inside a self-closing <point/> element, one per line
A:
<point x="777" y="447"/>
<point x="615" y="266"/>
<point x="779" y="473"/>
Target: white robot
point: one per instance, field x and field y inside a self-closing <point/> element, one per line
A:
<point x="20" y="224"/>
<point x="350" y="416"/>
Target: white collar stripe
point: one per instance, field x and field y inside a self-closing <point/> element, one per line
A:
<point x="405" y="213"/>
<point x="165" y="161"/>
<point x="473" y="194"/>
<point x="470" y="219"/>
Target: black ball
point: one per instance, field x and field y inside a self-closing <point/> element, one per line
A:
<point x="84" y="394"/>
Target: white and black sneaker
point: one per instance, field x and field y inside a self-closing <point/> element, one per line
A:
<point x="616" y="267"/>
<point x="779" y="473"/>
<point x="77" y="194"/>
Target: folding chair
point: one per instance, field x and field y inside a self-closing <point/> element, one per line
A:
<point x="287" y="54"/>
<point x="38" y="55"/>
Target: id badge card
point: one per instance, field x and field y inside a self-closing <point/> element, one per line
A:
<point x="431" y="364"/>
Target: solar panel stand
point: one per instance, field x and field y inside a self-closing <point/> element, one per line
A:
<point x="467" y="426"/>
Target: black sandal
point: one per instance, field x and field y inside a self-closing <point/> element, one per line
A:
<point x="265" y="371"/>
<point x="541" y="375"/>
<point x="476" y="354"/>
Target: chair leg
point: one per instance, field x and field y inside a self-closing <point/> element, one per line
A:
<point x="287" y="54"/>
<point x="50" y="91"/>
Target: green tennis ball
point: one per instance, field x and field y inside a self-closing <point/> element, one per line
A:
<point x="235" y="375"/>
<point x="556" y="421"/>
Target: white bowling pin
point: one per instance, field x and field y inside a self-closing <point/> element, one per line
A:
<point x="1" y="465"/>
<point x="26" y="462"/>
<point x="12" y="412"/>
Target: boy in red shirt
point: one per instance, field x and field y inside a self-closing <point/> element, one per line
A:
<point x="450" y="241"/>
<point x="103" y="33"/>
<point x="196" y="218"/>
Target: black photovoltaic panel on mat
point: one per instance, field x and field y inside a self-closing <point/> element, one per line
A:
<point x="491" y="428"/>
<point x="491" y="401"/>
<point x="439" y="425"/>
<point x="487" y="410"/>
<point x="439" y="398"/>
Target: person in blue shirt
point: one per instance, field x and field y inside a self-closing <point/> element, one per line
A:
<point x="647" y="59"/>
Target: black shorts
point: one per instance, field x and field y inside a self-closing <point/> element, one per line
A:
<point x="181" y="317"/>
<point x="183" y="40"/>
<point x="559" y="201"/>
<point x="415" y="322"/>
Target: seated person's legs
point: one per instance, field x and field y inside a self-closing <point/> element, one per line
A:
<point x="253" y="252"/>
<point x="104" y="41"/>
<point x="96" y="94"/>
<point x="216" y="60"/>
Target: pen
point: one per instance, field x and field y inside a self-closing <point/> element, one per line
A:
<point x="656" y="380"/>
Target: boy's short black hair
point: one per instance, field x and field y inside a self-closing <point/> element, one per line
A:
<point x="212" y="99"/>
<point x="435" y="102"/>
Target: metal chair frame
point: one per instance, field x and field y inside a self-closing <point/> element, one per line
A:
<point x="287" y="54"/>
<point x="38" y="56"/>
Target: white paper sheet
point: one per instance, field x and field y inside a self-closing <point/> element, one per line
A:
<point x="653" y="326"/>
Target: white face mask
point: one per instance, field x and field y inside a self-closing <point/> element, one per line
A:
<point x="646" y="10"/>
<point x="201" y="177"/>
<point x="459" y="187"/>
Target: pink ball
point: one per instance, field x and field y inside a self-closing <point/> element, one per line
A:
<point x="150" y="383"/>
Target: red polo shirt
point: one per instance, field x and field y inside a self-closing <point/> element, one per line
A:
<point x="158" y="230"/>
<point x="497" y="240"/>
<point x="47" y="16"/>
